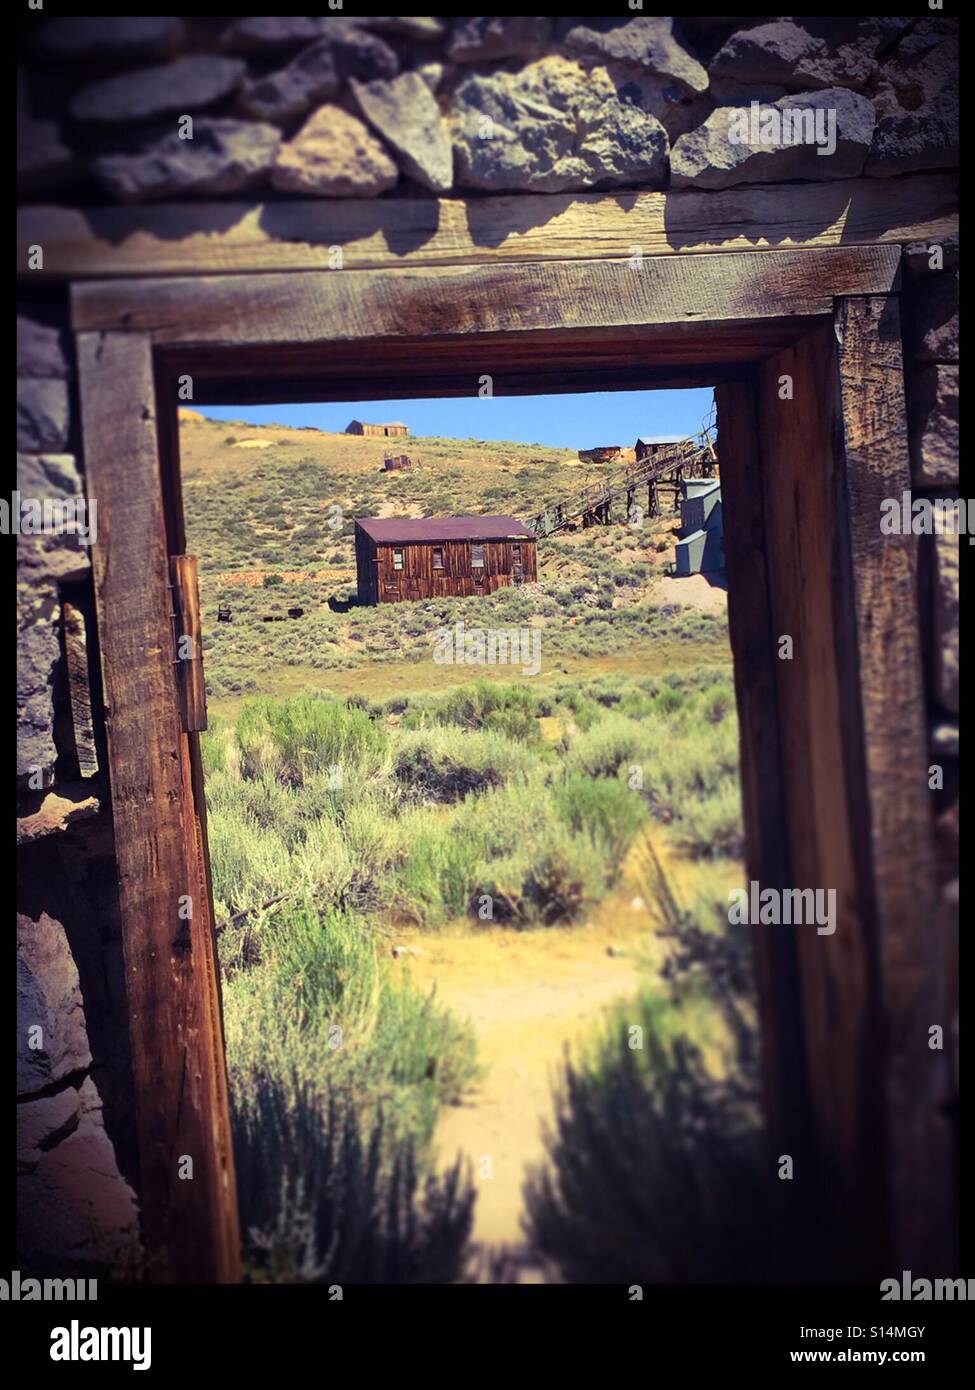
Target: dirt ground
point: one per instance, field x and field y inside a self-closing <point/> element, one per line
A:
<point x="707" y="593"/>
<point x="529" y="995"/>
<point x="532" y="996"/>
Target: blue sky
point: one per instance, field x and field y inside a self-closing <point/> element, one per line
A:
<point x="571" y="422"/>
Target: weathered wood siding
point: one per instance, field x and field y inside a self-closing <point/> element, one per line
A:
<point x="380" y="582"/>
<point x="379" y="431"/>
<point x="605" y="454"/>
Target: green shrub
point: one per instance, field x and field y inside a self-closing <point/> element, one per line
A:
<point x="249" y="861"/>
<point x="507" y="709"/>
<point x="323" y="1200"/>
<point x="448" y="763"/>
<point x="656" y="1172"/>
<point x="605" y="809"/>
<point x="319" y="1007"/>
<point x="717" y="703"/>
<point x="294" y="738"/>
<point x="551" y="881"/>
<point x="712" y="825"/>
<point x="438" y="870"/>
<point x="612" y="745"/>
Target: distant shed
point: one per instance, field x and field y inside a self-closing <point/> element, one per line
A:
<point x="602" y="453"/>
<point x="388" y="430"/>
<point x="647" y="446"/>
<point x="401" y="558"/>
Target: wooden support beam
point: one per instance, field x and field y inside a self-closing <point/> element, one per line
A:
<point x="470" y="301"/>
<point x="916" y="937"/>
<point x="836" y="1177"/>
<point x="189" y="635"/>
<point x="241" y="237"/>
<point x="186" y="1180"/>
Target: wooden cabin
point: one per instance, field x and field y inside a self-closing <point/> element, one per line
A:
<point x="649" y="445"/>
<point x="400" y="558"/>
<point x="603" y="453"/>
<point x="398" y="462"/>
<point x="385" y="431"/>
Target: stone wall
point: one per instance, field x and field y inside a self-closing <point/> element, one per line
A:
<point x="76" y="1210"/>
<point x="344" y="107"/>
<point x="337" y="107"/>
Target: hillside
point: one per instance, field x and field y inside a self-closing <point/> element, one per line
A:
<point x="270" y="514"/>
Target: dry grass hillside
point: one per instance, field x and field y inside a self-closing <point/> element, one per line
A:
<point x="270" y="513"/>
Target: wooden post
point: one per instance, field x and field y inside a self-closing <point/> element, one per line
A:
<point x="187" y="1191"/>
<point x="189" y="634"/>
<point x="915" y="936"/>
<point x="858" y="1098"/>
<point x="767" y="854"/>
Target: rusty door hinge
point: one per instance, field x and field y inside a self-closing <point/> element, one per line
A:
<point x="188" y="642"/>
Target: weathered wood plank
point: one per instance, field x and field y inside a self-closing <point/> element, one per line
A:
<point x="178" y="1065"/>
<point x="763" y="795"/>
<point x="219" y="238"/>
<point x="338" y="306"/>
<point x="844" y="1060"/>
<point x="192" y="686"/>
<point x="914" y="940"/>
<point x="545" y="361"/>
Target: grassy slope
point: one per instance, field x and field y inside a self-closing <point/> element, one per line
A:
<point x="286" y="512"/>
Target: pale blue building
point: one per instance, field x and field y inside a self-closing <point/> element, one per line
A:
<point x="701" y="548"/>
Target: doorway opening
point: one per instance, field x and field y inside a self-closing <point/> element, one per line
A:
<point x="831" y="797"/>
<point x="472" y="797"/>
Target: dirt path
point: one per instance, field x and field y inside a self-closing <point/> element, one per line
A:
<point x="527" y="995"/>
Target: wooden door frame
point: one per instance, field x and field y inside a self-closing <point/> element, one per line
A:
<point x="571" y="325"/>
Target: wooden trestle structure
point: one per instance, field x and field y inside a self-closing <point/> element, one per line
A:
<point x="692" y="457"/>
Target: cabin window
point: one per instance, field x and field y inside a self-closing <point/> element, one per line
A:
<point x="438" y="557"/>
<point x="516" y="555"/>
<point x="397" y="559"/>
<point x="477" y="557"/>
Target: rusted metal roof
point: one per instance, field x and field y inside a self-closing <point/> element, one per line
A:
<point x="443" y="528"/>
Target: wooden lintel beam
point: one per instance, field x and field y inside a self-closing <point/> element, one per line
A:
<point x="469" y="301"/>
<point x="254" y="237"/>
